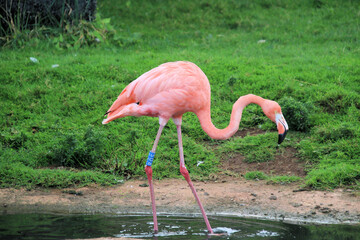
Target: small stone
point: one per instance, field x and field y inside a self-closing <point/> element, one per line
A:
<point x="273" y="197"/>
<point x="144" y="185"/>
<point x="296" y="204"/>
<point x="325" y="210"/>
<point x="73" y="192"/>
<point x="253" y="194"/>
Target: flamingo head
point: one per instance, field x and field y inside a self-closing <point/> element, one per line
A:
<point x="273" y="111"/>
<point x="130" y="109"/>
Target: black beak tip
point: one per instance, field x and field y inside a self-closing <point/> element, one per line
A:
<point x="107" y="113"/>
<point x="282" y="137"/>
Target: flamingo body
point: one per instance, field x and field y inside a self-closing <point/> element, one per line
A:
<point x="167" y="91"/>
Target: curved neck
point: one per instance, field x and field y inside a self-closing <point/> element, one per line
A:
<point x="238" y="107"/>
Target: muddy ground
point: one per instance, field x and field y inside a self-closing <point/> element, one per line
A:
<point x="230" y="196"/>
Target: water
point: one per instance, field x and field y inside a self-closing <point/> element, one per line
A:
<point x="50" y="226"/>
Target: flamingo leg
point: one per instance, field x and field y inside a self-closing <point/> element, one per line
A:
<point x="148" y="171"/>
<point x="185" y="173"/>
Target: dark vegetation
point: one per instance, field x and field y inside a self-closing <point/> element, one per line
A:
<point x="32" y="14"/>
<point x="303" y="54"/>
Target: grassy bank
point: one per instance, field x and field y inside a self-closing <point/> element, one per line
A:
<point x="303" y="54"/>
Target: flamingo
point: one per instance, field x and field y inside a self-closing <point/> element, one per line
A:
<point x="169" y="91"/>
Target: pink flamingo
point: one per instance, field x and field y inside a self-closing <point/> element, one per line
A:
<point x="169" y="91"/>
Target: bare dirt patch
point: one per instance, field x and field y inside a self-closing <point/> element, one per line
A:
<point x="249" y="132"/>
<point x="286" y="161"/>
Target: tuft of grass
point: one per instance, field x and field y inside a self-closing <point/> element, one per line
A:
<point x="297" y="114"/>
<point x="78" y="151"/>
<point x="336" y="132"/>
<point x="17" y="175"/>
<point x="255" y="175"/>
<point x="283" y="179"/>
<point x="339" y="175"/>
<point x="259" y="148"/>
<point x="338" y="101"/>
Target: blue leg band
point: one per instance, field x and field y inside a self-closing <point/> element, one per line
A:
<point x="150" y="159"/>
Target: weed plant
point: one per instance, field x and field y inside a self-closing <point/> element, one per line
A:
<point x="303" y="54"/>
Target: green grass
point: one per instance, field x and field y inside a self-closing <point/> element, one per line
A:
<point x="309" y="62"/>
<point x="18" y="175"/>
<point x="281" y="179"/>
<point x="338" y="175"/>
<point x="256" y="175"/>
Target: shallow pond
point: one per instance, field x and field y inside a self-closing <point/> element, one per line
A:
<point x="50" y="226"/>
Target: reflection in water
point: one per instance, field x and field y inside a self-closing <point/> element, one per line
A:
<point x="49" y="226"/>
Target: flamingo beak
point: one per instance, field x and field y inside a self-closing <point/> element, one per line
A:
<point x="282" y="126"/>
